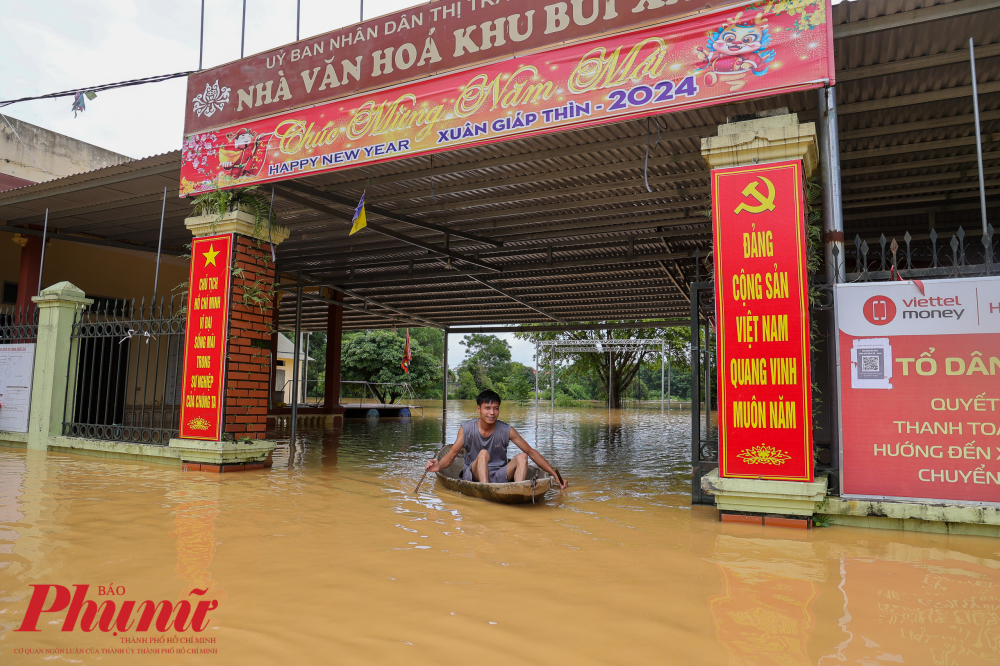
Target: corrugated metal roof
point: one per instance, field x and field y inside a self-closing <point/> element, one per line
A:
<point x="583" y="239"/>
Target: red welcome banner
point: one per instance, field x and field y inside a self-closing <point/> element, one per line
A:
<point x="765" y="410"/>
<point x="736" y="54"/>
<point x="205" y="340"/>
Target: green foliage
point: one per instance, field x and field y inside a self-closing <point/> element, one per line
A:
<point x="247" y="199"/>
<point x="518" y="385"/>
<point x="375" y="356"/>
<point x="431" y="339"/>
<point x="489" y="354"/>
<point x="317" y="368"/>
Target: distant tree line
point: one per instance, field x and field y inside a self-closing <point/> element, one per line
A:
<point x="374" y="356"/>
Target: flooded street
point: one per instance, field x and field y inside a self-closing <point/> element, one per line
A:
<point x="329" y="557"/>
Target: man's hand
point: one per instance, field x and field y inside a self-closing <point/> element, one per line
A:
<point x="432" y="466"/>
<point x="560" y="481"/>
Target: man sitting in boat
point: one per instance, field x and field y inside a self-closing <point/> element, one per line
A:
<point x="485" y="442"/>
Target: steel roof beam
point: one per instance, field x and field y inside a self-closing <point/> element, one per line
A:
<point x="514" y="298"/>
<point x="527" y="156"/>
<point x="566" y="191"/>
<point x="292" y="196"/>
<point x="539" y="177"/>
<point x="913" y="17"/>
<point x="916" y="98"/>
<point x="392" y="317"/>
<point x="384" y="212"/>
<point x="55" y="189"/>
<point x="572" y="327"/>
<point x="313" y="282"/>
<point x="88" y="241"/>
<point x="899" y="128"/>
<point x="921" y="62"/>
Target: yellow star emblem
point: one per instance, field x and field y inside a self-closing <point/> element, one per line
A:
<point x="210" y="256"/>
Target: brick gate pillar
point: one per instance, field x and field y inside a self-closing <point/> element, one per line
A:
<point x="235" y="426"/>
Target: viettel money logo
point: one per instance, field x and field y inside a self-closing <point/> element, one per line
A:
<point x="764" y="202"/>
<point x="880" y="310"/>
<point x="107" y="616"/>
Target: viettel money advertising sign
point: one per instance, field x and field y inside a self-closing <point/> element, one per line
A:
<point x="205" y="340"/>
<point x="765" y="410"/>
<point x="920" y="404"/>
<point x="734" y="54"/>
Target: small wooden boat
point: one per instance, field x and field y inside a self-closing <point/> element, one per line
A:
<point x="516" y="492"/>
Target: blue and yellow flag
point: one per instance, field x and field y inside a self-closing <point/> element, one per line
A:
<point x="359" y="220"/>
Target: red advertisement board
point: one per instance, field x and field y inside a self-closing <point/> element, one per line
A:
<point x="727" y="56"/>
<point x="761" y="303"/>
<point x="920" y="404"/>
<point x="206" y="337"/>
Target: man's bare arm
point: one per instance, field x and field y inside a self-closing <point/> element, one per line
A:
<point x="435" y="465"/>
<point x="537" y="458"/>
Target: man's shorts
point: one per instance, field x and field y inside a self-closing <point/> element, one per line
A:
<point x="497" y="475"/>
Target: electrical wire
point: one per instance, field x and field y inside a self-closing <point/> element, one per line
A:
<point x="107" y="86"/>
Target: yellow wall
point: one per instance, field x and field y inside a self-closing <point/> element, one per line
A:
<point x="99" y="271"/>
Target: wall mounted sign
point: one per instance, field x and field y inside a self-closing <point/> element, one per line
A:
<point x="761" y="302"/>
<point x="17" y="362"/>
<point x="726" y="56"/>
<point x="919" y="377"/>
<point x="205" y="345"/>
<point x="419" y="42"/>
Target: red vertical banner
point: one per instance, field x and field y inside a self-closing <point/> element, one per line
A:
<point x="761" y="301"/>
<point x="205" y="340"/>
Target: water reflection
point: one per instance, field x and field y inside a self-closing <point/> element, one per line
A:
<point x="764" y="614"/>
<point x="329" y="556"/>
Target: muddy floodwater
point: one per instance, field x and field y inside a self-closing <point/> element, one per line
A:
<point x="329" y="558"/>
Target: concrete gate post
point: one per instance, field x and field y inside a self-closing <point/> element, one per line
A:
<point x="773" y="138"/>
<point x="57" y="306"/>
<point x="247" y="379"/>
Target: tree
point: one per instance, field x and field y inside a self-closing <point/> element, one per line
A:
<point x="431" y="339"/>
<point x="375" y="356"/>
<point x="518" y="385"/>
<point x="317" y="367"/>
<point x="490" y="354"/>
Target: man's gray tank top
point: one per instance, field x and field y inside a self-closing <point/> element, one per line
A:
<point x="495" y="445"/>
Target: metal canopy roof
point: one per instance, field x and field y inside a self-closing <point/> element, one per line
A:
<point x="561" y="228"/>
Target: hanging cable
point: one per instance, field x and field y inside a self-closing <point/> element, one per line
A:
<point x="645" y="166"/>
<point x="108" y="86"/>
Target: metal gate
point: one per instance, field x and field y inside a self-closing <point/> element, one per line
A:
<point x="125" y="370"/>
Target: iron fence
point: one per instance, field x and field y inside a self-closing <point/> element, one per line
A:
<point x="125" y="371"/>
<point x="922" y="256"/>
<point x="18" y="325"/>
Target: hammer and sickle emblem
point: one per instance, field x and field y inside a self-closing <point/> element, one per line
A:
<point x="766" y="203"/>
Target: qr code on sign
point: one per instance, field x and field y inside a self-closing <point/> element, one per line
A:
<point x="870" y="362"/>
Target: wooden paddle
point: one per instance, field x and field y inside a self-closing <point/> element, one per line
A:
<point x="417" y="489"/>
<point x="558" y="477"/>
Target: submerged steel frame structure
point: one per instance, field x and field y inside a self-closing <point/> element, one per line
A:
<point x="600" y="347"/>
